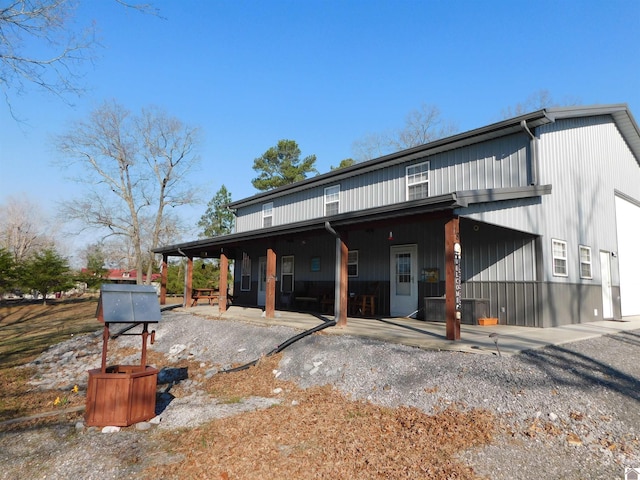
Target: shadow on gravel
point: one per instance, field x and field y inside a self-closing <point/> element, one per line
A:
<point x="168" y="376"/>
<point x="567" y="367"/>
<point x="630" y="338"/>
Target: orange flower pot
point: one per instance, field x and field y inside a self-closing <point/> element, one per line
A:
<point x="487" y="321"/>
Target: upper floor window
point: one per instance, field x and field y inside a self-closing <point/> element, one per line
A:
<point x="559" y="252"/>
<point x="418" y="181"/>
<point x="267" y="214"/>
<point x="585" y="262"/>
<point x="332" y="200"/>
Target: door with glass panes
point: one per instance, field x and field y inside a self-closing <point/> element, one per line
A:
<point x="404" y="281"/>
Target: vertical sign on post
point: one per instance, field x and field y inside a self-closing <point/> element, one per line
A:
<point x="453" y="278"/>
<point x="457" y="275"/>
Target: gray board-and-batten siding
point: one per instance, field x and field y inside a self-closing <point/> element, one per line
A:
<point x="498" y="163"/>
<point x="498" y="264"/>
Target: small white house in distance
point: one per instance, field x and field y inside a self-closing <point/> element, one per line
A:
<point x="533" y="220"/>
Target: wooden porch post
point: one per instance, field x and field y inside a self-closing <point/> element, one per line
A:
<point x="453" y="278"/>
<point x="222" y="286"/>
<point x="188" y="282"/>
<point x="343" y="283"/>
<point x="163" y="279"/>
<point x="270" y="302"/>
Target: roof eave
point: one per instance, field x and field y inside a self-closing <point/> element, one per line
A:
<point x="440" y="203"/>
<point x="495" y="130"/>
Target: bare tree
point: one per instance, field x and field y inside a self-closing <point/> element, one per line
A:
<point x="61" y="48"/>
<point x="135" y="167"/>
<point x="23" y="229"/>
<point x="421" y="126"/>
<point x="536" y="101"/>
<point x="371" y="146"/>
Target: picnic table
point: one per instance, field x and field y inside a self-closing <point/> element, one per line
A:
<point x="211" y="294"/>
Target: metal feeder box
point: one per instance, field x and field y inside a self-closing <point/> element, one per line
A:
<point x="121" y="395"/>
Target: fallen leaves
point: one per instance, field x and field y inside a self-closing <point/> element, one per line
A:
<point x="573" y="439"/>
<point x="319" y="433"/>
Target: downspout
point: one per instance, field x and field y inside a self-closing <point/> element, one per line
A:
<point x="336" y="288"/>
<point x="533" y="148"/>
<point x="330" y="229"/>
<point x="184" y="291"/>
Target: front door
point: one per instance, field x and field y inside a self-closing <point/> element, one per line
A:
<point x="404" y="281"/>
<point x="607" y="295"/>
<point x="262" y="281"/>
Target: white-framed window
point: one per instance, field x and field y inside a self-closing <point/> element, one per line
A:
<point x="245" y="276"/>
<point x="267" y="215"/>
<point x="286" y="274"/>
<point x="418" y="181"/>
<point x="585" y="262"/>
<point x="559" y="253"/>
<point x="352" y="263"/>
<point x="332" y="200"/>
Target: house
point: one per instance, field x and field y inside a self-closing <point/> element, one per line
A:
<point x="119" y="275"/>
<point x="533" y="220"/>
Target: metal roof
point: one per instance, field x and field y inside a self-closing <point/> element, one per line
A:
<point x="123" y="303"/>
<point x="211" y="247"/>
<point x="620" y="113"/>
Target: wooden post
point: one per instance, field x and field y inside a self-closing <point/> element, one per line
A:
<point x="344" y="283"/>
<point x="188" y="282"/>
<point x="145" y="336"/>
<point x="222" y="286"/>
<point x="453" y="273"/>
<point x="163" y="280"/>
<point x="105" y="342"/>
<point x="270" y="303"/>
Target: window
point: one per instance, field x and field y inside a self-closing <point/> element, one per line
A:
<point x="286" y="285"/>
<point x="418" y="181"/>
<point x="245" y="277"/>
<point x="352" y="263"/>
<point x="559" y="251"/>
<point x="585" y="262"/>
<point x="267" y="215"/>
<point x="332" y="200"/>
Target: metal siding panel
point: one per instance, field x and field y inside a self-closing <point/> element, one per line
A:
<point x="586" y="160"/>
<point x="496" y="163"/>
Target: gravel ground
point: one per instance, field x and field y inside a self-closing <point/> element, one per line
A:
<point x="570" y="412"/>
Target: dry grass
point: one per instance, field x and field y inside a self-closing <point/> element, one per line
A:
<point x="18" y="399"/>
<point x="28" y="329"/>
<point x="313" y="433"/>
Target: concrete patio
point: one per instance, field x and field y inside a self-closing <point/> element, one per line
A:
<point x="428" y="335"/>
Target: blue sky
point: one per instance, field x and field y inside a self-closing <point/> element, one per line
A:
<point x="323" y="73"/>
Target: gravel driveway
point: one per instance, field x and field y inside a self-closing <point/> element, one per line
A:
<point x="569" y="412"/>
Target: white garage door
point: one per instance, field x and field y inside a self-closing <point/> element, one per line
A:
<point x="628" y="226"/>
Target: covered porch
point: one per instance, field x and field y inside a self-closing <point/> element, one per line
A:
<point x="263" y="257"/>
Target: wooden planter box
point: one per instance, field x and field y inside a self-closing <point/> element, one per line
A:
<point x="487" y="321"/>
<point x="124" y="395"/>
